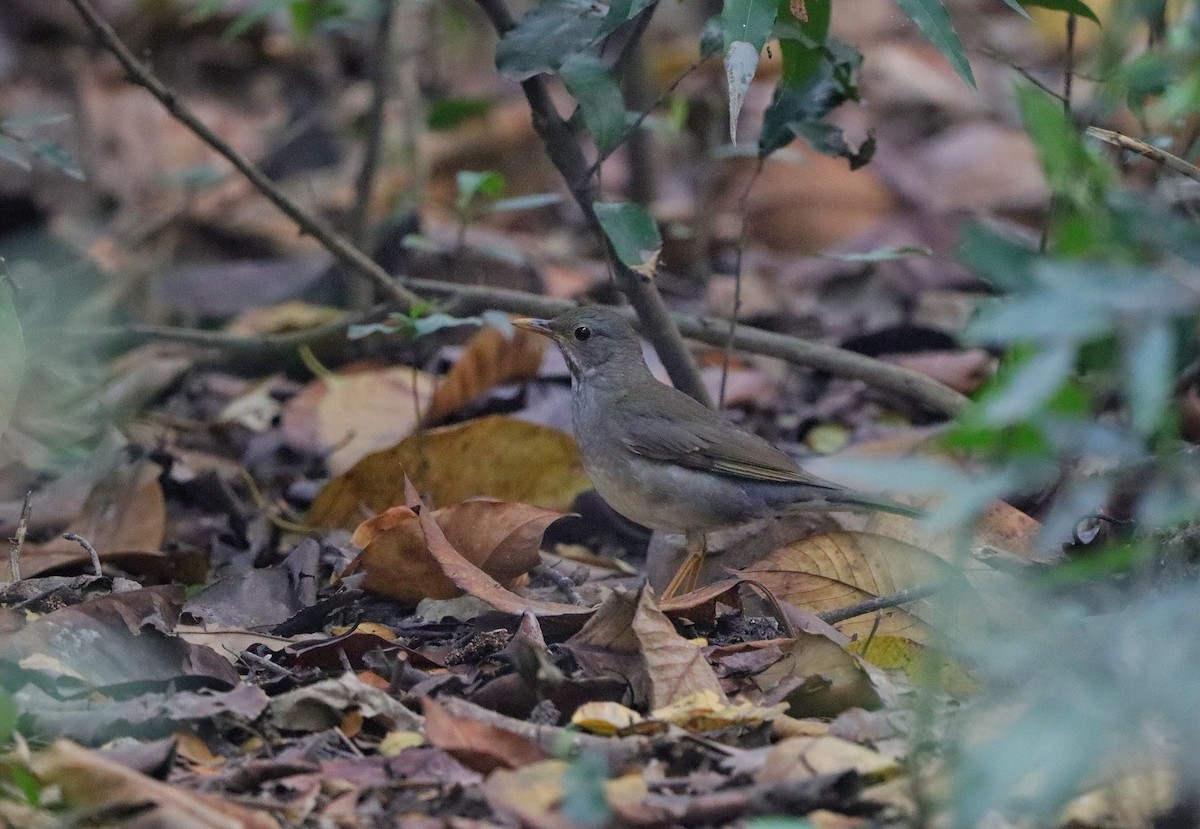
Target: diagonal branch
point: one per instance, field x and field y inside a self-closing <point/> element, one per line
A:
<point x="140" y="75"/>
<point x="562" y="145"/>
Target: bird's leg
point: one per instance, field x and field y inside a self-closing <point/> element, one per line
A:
<point x="685" y="578"/>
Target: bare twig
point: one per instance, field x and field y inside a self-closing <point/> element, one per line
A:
<point x="1170" y="161"/>
<point x="562" y="145"/>
<point x="18" y="539"/>
<point x="743" y="203"/>
<point x="380" y="73"/>
<point x="91" y="551"/>
<point x="877" y="603"/>
<point x="138" y="74"/>
<point x="472" y="299"/>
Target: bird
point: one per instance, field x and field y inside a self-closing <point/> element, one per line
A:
<point x="663" y="459"/>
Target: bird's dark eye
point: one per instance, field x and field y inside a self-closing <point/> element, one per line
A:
<point x="583" y="333"/>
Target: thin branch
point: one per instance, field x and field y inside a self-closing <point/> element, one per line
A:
<point x="138" y="74"/>
<point x="743" y="204"/>
<point x="563" y="147"/>
<point x="91" y="551"/>
<point x="877" y="603"/>
<point x="18" y="539"/>
<point x="1170" y="161"/>
<point x="364" y="183"/>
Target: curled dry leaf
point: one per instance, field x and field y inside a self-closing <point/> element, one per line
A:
<point x="631" y="638"/>
<point x="801" y="758"/>
<point x="500" y="538"/>
<point x="477" y="745"/>
<point x="705" y="711"/>
<point x="94" y="785"/>
<point x="836" y="570"/>
<point x="817" y="678"/>
<point x="490" y="359"/>
<point x="352" y="414"/>
<point x="124" y="512"/>
<point x="495" y="457"/>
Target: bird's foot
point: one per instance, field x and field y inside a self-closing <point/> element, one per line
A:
<point x="688" y="574"/>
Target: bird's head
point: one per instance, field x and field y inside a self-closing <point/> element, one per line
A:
<point x="591" y="339"/>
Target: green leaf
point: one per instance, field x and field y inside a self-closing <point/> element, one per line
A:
<point x="1002" y="262"/>
<point x="449" y="113"/>
<point x="1015" y="5"/>
<point x="633" y="233"/>
<point x="24" y="124"/>
<point x="474" y="184"/>
<point x="585" y="802"/>
<point x="934" y="22"/>
<point x="749" y="21"/>
<point x="1077" y="7"/>
<point x="530" y="202"/>
<point x="53" y="154"/>
<point x="600" y="101"/>
<point x="12" y="353"/>
<point x="621" y="11"/>
<point x="14" y="153"/>
<point x="880" y="254"/>
<point x="1149" y="374"/>
<point x="547" y="35"/>
<point x="1029" y="386"/>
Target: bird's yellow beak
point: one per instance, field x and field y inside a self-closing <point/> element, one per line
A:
<point x="535" y="325"/>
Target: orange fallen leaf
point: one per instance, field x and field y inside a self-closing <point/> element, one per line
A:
<point x="490" y="359"/>
<point x="477" y="745"/>
<point x="499" y="537"/>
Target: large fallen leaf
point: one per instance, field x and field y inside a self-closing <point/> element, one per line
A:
<point x="124" y="512"/>
<point x="495" y="457"/>
<point x="96" y="789"/>
<point x="840" y="569"/>
<point x="817" y="678"/>
<point x="500" y="538"/>
<point x="630" y="637"/>
<point x="490" y="359"/>
<point x="351" y="415"/>
<point x="533" y="795"/>
<point x="323" y="705"/>
<point x="801" y="758"/>
<point x="477" y="745"/>
<point x="123" y="639"/>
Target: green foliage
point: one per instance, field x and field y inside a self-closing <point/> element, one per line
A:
<point x="12" y="351"/>
<point x="585" y="802"/>
<point x="633" y="233"/>
<point x="600" y="100"/>
<point x="20" y="144"/>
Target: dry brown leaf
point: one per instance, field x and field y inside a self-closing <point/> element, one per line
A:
<point x="836" y="570"/>
<point x="479" y="584"/>
<point x="801" y="758"/>
<point x="500" y="538"/>
<point x="477" y="745"/>
<point x="283" y="318"/>
<point x="124" y="513"/>
<point x="350" y="415"/>
<point x="630" y="637"/>
<point x="963" y="371"/>
<point x="817" y="678"/>
<point x="495" y="457"/>
<point x="490" y="359"/>
<point x="533" y="794"/>
<point x="704" y="711"/>
<point x="91" y="783"/>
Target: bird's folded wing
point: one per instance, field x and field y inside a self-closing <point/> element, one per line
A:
<point x="713" y="447"/>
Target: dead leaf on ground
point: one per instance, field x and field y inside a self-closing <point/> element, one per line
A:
<point x="284" y="318"/>
<point x="800" y="758"/>
<point x="817" y="678"/>
<point x="494" y="457"/>
<point x="490" y="359"/>
<point x="963" y="371"/>
<point x="125" y="512"/>
<point x="500" y="538"/>
<point x="836" y="570"/>
<point x="533" y="794"/>
<point x="705" y="711"/>
<point x="631" y="638"/>
<point x="324" y="704"/>
<point x="477" y="745"/>
<point x="94" y="785"/>
<point x="114" y="641"/>
<point x="351" y="414"/>
<point x="920" y="663"/>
